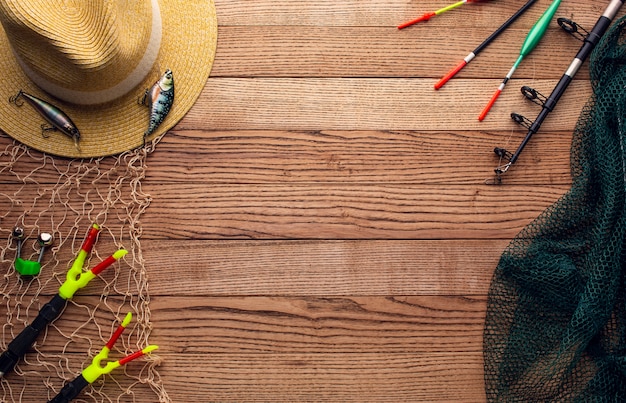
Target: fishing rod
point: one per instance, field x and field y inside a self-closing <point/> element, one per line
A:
<point x="75" y="280"/>
<point x="428" y="16"/>
<point x="590" y="40"/>
<point x="100" y="365"/>
<point x="484" y="44"/>
<point x="532" y="40"/>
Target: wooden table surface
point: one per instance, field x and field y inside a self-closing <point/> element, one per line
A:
<point x="320" y="227"/>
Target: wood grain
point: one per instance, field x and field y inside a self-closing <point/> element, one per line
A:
<point x="319" y="226"/>
<point x="444" y="377"/>
<point x="287" y="51"/>
<point x="335" y="156"/>
<point x="314" y="348"/>
<point x="369" y="104"/>
<point x="323" y="267"/>
<point x="460" y="267"/>
<point x="283" y="211"/>
<point x="340" y="212"/>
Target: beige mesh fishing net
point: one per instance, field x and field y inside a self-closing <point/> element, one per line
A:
<point x="65" y="197"/>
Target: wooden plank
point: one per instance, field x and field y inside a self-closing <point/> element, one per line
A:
<point x="202" y="211"/>
<point x="356" y="13"/>
<point x="410" y="376"/>
<point x="281" y="211"/>
<point x="319" y="325"/>
<point x="424" y="347"/>
<point x="362" y="157"/>
<point x="352" y="339"/>
<point x="321" y="268"/>
<point x="289" y="268"/>
<point x="310" y="104"/>
<point x="298" y="51"/>
<point x="348" y="157"/>
<point x="265" y="324"/>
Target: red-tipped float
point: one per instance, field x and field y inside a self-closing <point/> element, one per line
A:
<point x="428" y="16"/>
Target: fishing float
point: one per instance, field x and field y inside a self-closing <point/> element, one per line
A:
<point x="532" y="39"/>
<point x="428" y="16"/>
<point x="484" y="44"/>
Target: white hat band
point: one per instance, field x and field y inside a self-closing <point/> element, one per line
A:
<point x="135" y="77"/>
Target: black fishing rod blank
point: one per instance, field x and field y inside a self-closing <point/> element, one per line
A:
<point x="590" y="40"/>
<point x="484" y="44"/>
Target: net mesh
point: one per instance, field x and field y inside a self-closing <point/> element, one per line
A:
<point x="65" y="197"/>
<point x="556" y="317"/>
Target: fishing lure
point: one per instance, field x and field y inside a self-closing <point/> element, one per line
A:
<point x="53" y="115"/>
<point x="159" y="99"/>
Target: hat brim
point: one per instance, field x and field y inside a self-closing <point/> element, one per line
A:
<point x="188" y="49"/>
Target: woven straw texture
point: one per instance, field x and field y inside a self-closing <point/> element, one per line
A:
<point x="188" y="48"/>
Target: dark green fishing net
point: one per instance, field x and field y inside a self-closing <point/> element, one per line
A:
<point x="555" y="328"/>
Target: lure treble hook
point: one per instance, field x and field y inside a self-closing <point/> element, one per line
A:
<point x="15" y="99"/>
<point x="53" y="115"/>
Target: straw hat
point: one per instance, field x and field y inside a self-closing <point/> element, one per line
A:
<point x="94" y="59"/>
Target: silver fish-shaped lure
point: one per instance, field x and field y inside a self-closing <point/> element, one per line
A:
<point x="53" y="115"/>
<point x="159" y="98"/>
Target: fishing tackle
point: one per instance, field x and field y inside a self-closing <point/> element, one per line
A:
<point x="573" y="29"/>
<point x="532" y="40"/>
<point x="534" y="96"/>
<point x="159" y="98"/>
<point x="30" y="267"/>
<point x="428" y="16"/>
<point x="76" y="279"/>
<point x="521" y="120"/>
<point x="96" y="369"/>
<point x="484" y="44"/>
<point x="53" y="115"/>
<point x="590" y="40"/>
